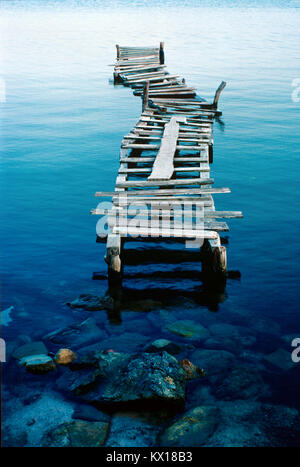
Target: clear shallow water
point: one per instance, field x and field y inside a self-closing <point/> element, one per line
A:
<point x="62" y="124"/>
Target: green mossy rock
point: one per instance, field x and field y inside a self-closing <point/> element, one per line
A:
<point x="193" y="429"/>
<point x="188" y="329"/>
<point x="77" y="434"/>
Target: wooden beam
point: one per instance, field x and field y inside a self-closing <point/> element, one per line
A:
<point x="145" y="96"/>
<point x="163" y="166"/>
<point x="161" y="192"/>
<point x="154" y="232"/>
<point x="217" y="94"/>
<point x="166" y="183"/>
<point x="161" y="53"/>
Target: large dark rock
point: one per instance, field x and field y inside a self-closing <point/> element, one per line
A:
<point x="126" y="379"/>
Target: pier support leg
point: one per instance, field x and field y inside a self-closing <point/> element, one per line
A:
<point x="145" y="96"/>
<point x="161" y="53"/>
<point x="113" y="258"/>
<point x="217" y="95"/>
<point x="214" y="261"/>
<point x="210" y="153"/>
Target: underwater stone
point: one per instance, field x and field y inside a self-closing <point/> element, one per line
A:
<point x="213" y="361"/>
<point x="191" y="371"/>
<point x="79" y="382"/>
<point x="79" y="433"/>
<point x="77" y="334"/>
<point x="138" y="380"/>
<point x="38" y="364"/>
<point x="90" y="413"/>
<point x="189" y="329"/>
<point x="87" y="302"/>
<point x="242" y="382"/>
<point x="281" y="359"/>
<point x="29" y="349"/>
<point x="163" y="344"/>
<point x="192" y="429"/>
<point x="65" y="357"/>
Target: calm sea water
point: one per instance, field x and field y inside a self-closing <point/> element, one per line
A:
<point x="62" y="125"/>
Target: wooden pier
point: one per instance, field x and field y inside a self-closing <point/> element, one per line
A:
<point x="164" y="190"/>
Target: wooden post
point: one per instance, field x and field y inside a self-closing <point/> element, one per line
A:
<point x="113" y="257"/>
<point x="161" y="53"/>
<point x="214" y="261"/>
<point x="219" y="260"/>
<point x="145" y="96"/>
<point x="118" y="52"/>
<point x="116" y="77"/>
<point x="217" y="95"/>
<point x="210" y="153"/>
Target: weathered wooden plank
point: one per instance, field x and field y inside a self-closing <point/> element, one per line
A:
<point x="131" y="63"/>
<point x="139" y="56"/>
<point x="183" y="135"/>
<point x="190" y="217"/>
<point x="161" y="192"/>
<point x="151" y="159"/>
<point x="129" y="71"/>
<point x="148" y="183"/>
<point x="153" y="147"/>
<point x="159" y="138"/>
<point x="132" y="76"/>
<point x="165" y="89"/>
<point x="157" y="78"/>
<point x="206" y="202"/>
<point x="157" y="232"/>
<point x="226" y="214"/>
<point x="138" y="76"/>
<point x="149" y="170"/>
<point x="157" y="128"/>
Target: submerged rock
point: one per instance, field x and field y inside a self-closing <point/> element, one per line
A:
<point x="29" y="349"/>
<point x="192" y="429"/>
<point x="163" y="344"/>
<point x="77" y="334"/>
<point x="141" y="305"/>
<point x="38" y="364"/>
<point x="242" y="383"/>
<point x="65" y="356"/>
<point x="87" y="302"/>
<point x="144" y="378"/>
<point x="119" y="378"/>
<point x="129" y="429"/>
<point x="280" y="359"/>
<point x="191" y="371"/>
<point x="78" y="382"/>
<point x="216" y="363"/>
<point x="188" y="329"/>
<point x="90" y="413"/>
<point x="79" y="433"/>
<point x="126" y="342"/>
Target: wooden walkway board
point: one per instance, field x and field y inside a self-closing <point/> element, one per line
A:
<point x="163" y="166"/>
